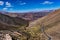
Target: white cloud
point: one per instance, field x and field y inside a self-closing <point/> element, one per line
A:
<point x="5" y="8"/>
<point x="22" y="3"/>
<point x="8" y="4"/>
<point x="47" y="2"/>
<point x="1" y="2"/>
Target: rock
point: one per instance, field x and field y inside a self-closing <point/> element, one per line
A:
<point x="7" y="37"/>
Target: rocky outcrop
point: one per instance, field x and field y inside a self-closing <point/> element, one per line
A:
<point x="7" y="37"/>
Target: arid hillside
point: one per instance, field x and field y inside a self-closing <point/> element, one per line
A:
<point x="50" y="23"/>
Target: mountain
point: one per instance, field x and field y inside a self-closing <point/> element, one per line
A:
<point x="48" y="26"/>
<point x="31" y="16"/>
<point x="7" y="22"/>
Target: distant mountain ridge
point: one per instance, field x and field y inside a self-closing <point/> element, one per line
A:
<point x="31" y="16"/>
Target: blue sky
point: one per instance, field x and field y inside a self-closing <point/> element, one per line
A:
<point x="28" y="5"/>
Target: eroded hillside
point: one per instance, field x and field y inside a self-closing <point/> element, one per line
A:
<point x="51" y="25"/>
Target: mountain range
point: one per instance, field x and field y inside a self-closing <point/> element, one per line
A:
<point x="31" y="16"/>
<point x="46" y="27"/>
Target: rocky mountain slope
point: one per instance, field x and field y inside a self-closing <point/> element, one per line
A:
<point x="50" y="24"/>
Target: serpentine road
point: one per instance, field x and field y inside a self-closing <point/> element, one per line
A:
<point x="43" y="31"/>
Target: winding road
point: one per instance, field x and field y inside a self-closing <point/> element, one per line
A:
<point x="43" y="31"/>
